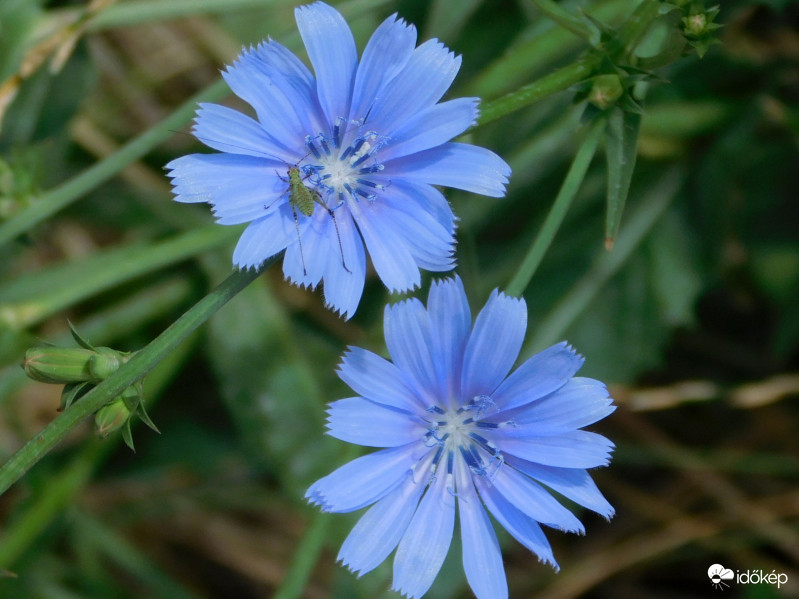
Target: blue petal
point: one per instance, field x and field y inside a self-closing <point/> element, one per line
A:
<point x="364" y="480"/>
<point x="228" y="130"/>
<point x="276" y="58"/>
<point x="576" y="404"/>
<point x="573" y="483"/>
<point x="305" y="260"/>
<point x="534" y="501"/>
<point x="545" y="372"/>
<point x="450" y="323"/>
<point x="376" y="379"/>
<point x="377" y="533"/>
<point x="431" y="244"/>
<point x="458" y="165"/>
<point x="407" y="331"/>
<point x="571" y="449"/>
<point x="344" y="287"/>
<point x="482" y="558"/>
<point x="494" y="344"/>
<point x="322" y="247"/>
<point x="281" y="112"/>
<point x="331" y="48"/>
<point x="240" y="188"/>
<point x="421" y="197"/>
<point x="426" y="76"/>
<point x="360" y="421"/>
<point x="389" y="252"/>
<point x="523" y="528"/>
<point x="387" y="52"/>
<point x="286" y="70"/>
<point x="263" y="238"/>
<point x="426" y="541"/>
<point x="431" y="127"/>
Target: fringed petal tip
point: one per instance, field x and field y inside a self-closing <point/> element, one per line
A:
<point x="549" y="562"/>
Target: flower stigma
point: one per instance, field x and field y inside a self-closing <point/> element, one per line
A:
<point x="337" y="165"/>
<point x="457" y="432"/>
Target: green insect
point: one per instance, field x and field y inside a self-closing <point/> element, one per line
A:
<point x="302" y="198"/>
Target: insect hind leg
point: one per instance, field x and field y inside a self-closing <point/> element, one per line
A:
<point x="338" y="237"/>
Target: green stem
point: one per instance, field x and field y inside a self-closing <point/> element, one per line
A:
<point x="560" y="80"/>
<point x="138" y="366"/>
<point x="566" y="311"/>
<point x="636" y="26"/>
<point x="571" y="185"/>
<point x="563" y="17"/>
<point x="629" y="36"/>
<point x="63" y="195"/>
<point x="310" y="546"/>
<point x="305" y="558"/>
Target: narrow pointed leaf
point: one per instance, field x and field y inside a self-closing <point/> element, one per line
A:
<point x="621" y="144"/>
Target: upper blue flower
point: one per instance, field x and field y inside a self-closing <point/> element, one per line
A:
<point x="368" y="139"/>
<point x="457" y="426"/>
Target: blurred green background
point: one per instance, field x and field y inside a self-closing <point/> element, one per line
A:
<point x="691" y="319"/>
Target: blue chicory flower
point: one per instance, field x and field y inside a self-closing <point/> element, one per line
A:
<point x="369" y="140"/>
<point x="456" y="425"/>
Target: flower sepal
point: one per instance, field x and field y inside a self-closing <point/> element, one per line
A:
<point x="118" y="413"/>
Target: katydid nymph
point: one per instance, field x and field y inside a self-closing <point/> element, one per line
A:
<point x="303" y="198"/>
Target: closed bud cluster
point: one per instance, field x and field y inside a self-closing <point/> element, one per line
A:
<point x="81" y="368"/>
<point x="605" y="90"/>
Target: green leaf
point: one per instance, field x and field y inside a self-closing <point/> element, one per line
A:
<point x="78" y="339"/>
<point x="71" y="392"/>
<point x="447" y="17"/>
<point x="621" y="143"/>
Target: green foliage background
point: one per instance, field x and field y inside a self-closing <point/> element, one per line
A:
<point x="691" y="318"/>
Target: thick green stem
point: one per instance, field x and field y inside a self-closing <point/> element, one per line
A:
<point x="138" y="366"/>
<point x="628" y="38"/>
<point x="560" y="80"/>
<point x="569" y="189"/>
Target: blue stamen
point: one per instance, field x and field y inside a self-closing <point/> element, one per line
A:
<point x="312" y="147"/>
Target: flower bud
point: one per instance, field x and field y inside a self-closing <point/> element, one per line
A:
<point x="111" y="417"/>
<point x="605" y="90"/>
<point x="105" y="362"/>
<point x="58" y="365"/>
<point x="695" y="25"/>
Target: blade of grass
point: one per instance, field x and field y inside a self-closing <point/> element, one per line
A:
<point x="571" y="185"/>
<point x="32" y="298"/>
<point x="565" y="312"/>
<point x="61" y="196"/>
<point x="621" y="146"/>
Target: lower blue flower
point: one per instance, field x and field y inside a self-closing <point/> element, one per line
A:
<point x="458" y="427"/>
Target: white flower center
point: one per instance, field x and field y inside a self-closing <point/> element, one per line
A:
<point x="341" y="166"/>
<point x="459" y="434"/>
